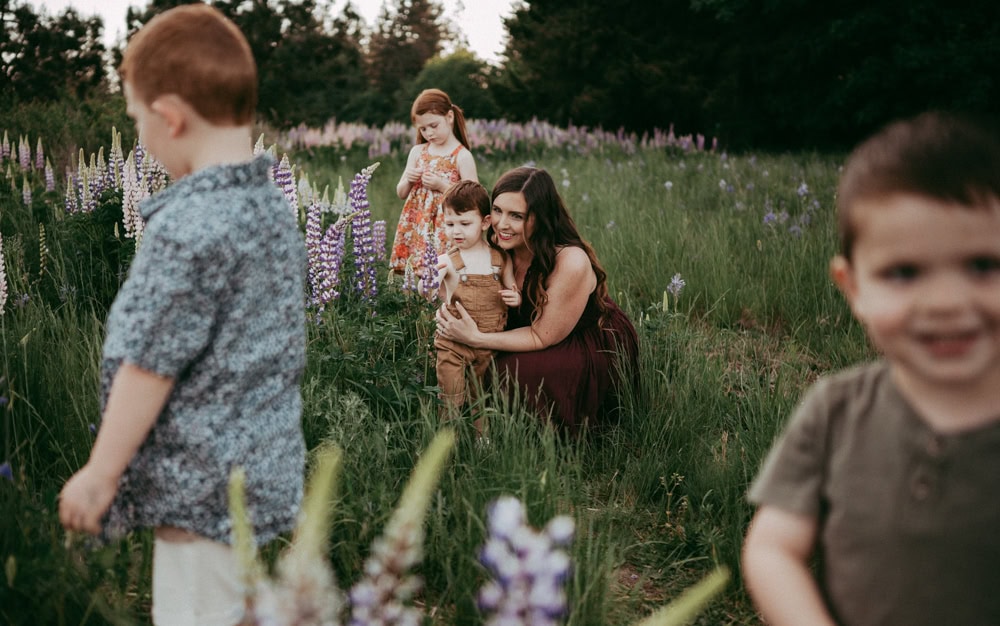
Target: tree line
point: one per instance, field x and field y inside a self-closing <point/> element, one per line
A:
<point x="756" y="73"/>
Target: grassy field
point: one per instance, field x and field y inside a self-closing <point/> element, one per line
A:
<point x="658" y="498"/>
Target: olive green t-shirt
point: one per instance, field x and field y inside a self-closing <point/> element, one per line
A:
<point x="909" y="518"/>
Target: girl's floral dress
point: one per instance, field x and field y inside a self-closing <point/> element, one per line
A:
<point x="422" y="217"/>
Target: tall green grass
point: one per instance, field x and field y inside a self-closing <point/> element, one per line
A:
<point x="658" y="496"/>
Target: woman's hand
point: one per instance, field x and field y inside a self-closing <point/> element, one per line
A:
<point x="461" y="328"/>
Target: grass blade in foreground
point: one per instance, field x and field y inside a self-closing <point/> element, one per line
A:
<point x="689" y="604"/>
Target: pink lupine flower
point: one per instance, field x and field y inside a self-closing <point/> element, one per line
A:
<point x="39" y="155"/>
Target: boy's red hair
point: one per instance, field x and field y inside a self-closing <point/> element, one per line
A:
<point x="197" y="53"/>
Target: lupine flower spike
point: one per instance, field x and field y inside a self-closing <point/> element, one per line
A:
<point x="430" y="277"/>
<point x="528" y="568"/>
<point x="304" y="592"/>
<point x="24" y="153"/>
<point x="39" y="155"/>
<point x="133" y="192"/>
<point x="673" y="289"/>
<point x="380" y="597"/>
<point x="26" y="191"/>
<point x="361" y="232"/>
<point x="3" y="280"/>
<point x="50" y="177"/>
<point x="284" y="178"/>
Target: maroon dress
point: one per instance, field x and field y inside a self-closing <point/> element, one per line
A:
<point x="577" y="379"/>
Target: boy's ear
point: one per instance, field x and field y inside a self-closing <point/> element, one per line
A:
<point x="843" y="275"/>
<point x="173" y="110"/>
<point x="487" y="220"/>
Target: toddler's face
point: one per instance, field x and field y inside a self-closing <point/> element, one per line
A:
<point x="925" y="282"/>
<point x="465" y="230"/>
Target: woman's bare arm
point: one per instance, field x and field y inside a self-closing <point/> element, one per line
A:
<point x="570" y="285"/>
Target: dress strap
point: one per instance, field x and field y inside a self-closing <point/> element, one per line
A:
<point x="454" y="153"/>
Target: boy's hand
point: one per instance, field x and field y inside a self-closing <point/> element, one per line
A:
<point x="84" y="500"/>
<point x="511" y="297"/>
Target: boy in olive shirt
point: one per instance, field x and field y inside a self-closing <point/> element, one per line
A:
<point x="890" y="472"/>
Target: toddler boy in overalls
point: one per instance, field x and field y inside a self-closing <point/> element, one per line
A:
<point x="478" y="276"/>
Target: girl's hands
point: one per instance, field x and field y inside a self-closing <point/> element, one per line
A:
<point x="413" y="174"/>
<point x="461" y="329"/>
<point x="435" y="182"/>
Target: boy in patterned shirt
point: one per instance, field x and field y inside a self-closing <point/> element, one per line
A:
<point x="205" y="341"/>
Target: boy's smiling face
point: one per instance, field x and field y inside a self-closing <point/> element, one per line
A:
<point x="924" y="279"/>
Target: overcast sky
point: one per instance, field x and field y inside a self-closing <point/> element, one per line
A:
<point x="480" y="20"/>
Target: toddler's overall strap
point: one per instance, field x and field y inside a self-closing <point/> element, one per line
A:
<point x="454" y="153"/>
<point x="456" y="260"/>
<point x="497" y="261"/>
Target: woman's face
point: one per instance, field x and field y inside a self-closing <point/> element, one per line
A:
<point x="511" y="221"/>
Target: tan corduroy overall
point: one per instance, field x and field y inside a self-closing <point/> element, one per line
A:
<point x="480" y="295"/>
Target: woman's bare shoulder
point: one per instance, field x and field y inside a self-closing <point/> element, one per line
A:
<point x="572" y="257"/>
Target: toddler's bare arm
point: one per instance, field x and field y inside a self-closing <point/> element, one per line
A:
<point x="776" y="571"/>
<point x="136" y="398"/>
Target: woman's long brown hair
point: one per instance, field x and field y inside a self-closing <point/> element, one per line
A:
<point x="553" y="228"/>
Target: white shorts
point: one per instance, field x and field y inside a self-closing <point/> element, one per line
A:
<point x="195" y="583"/>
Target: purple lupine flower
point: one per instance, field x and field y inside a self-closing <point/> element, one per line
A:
<point x="26" y="191"/>
<point x="50" y="177"/>
<point x="3" y="280"/>
<point x="429" y="280"/>
<point x="6" y="471"/>
<point x="803" y="190"/>
<point x="328" y="261"/>
<point x="378" y="238"/>
<point x="528" y="568"/>
<point x="5" y="147"/>
<point x="795" y="230"/>
<point x="361" y="234"/>
<point x="770" y="218"/>
<point x="284" y="178"/>
<point x="314" y="235"/>
<point x="92" y="428"/>
<point x="39" y="155"/>
<point x="676" y="284"/>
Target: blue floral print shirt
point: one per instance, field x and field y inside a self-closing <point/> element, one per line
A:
<point x="215" y="300"/>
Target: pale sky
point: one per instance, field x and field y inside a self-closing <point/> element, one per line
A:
<point x="480" y="20"/>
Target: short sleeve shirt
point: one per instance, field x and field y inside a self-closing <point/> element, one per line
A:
<point x="215" y="300"/>
<point x="909" y="518"/>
